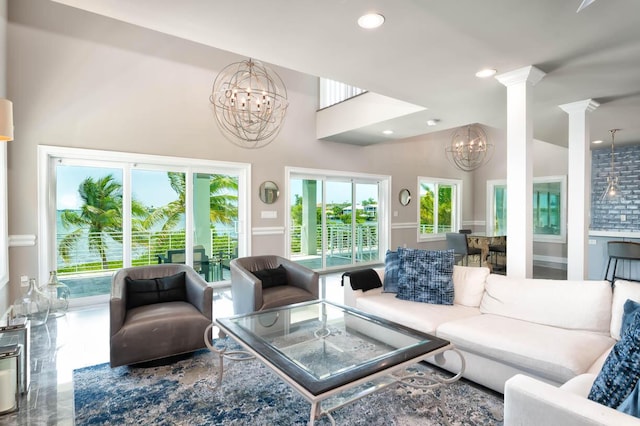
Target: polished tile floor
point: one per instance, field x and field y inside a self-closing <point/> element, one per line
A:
<point x="81" y="338"/>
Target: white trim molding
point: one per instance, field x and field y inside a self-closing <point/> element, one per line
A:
<point x="27" y="240"/>
<point x="405" y="225"/>
<point x="268" y="230"/>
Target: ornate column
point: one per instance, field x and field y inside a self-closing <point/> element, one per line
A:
<point x="519" y="85"/>
<point x="579" y="188"/>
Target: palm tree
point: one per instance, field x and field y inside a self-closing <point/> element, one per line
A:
<point x="100" y="215"/>
<point x="223" y="201"/>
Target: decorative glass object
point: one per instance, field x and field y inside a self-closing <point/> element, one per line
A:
<point x="58" y="294"/>
<point x="34" y="305"/>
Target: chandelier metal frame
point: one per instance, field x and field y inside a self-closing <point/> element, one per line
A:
<point x="250" y="103"/>
<point x="469" y="148"/>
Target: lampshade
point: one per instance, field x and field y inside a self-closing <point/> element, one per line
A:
<point x="6" y="120"/>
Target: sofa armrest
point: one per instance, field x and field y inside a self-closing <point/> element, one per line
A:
<point x="351" y="295"/>
<point x="199" y="293"/>
<point x="530" y="402"/>
<point x="117" y="302"/>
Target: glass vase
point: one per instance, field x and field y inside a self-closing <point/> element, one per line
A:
<point x="33" y="305"/>
<point x="58" y="294"/>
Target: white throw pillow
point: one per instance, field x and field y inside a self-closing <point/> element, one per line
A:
<point x="468" y="285"/>
<point x="622" y="291"/>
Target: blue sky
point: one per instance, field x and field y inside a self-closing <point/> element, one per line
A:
<point x="152" y="187"/>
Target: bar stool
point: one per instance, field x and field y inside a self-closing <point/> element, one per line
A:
<point x="496" y="250"/>
<point x="626" y="251"/>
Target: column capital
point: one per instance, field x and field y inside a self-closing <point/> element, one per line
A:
<point x="586" y="105"/>
<point x="530" y="74"/>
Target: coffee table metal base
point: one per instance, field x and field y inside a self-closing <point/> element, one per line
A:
<point x="339" y="397"/>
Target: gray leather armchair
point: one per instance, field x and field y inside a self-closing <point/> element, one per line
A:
<point x="156" y="312"/>
<point x="247" y="291"/>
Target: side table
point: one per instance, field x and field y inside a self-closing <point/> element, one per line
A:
<point x="17" y="331"/>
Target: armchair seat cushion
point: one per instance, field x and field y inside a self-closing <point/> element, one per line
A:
<point x="282" y="295"/>
<point x="152" y="331"/>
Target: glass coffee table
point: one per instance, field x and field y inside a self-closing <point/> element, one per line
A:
<point x="331" y="354"/>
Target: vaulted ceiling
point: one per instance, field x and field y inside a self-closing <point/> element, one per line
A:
<point x="428" y="51"/>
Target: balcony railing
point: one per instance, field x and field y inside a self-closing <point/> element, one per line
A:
<point x="145" y="249"/>
<point x="339" y="240"/>
<point x="333" y="92"/>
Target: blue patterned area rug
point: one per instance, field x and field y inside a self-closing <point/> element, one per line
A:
<point x="181" y="393"/>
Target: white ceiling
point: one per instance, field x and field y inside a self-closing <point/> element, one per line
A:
<point x="428" y="51"/>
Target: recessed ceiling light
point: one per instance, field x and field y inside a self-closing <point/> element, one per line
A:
<point x="433" y="122"/>
<point x="597" y="142"/>
<point x="370" y="21"/>
<point x="487" y="72"/>
<point x="387" y="132"/>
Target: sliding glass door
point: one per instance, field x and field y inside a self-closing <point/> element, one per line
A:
<point x="114" y="214"/>
<point x="335" y="221"/>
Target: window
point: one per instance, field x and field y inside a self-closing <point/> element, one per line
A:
<point x="439" y="207"/>
<point x="549" y="208"/>
<point x="336" y="219"/>
<point x="108" y="210"/>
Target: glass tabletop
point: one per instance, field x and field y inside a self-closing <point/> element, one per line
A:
<point x="321" y="345"/>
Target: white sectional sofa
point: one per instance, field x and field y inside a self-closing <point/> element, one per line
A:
<point x="551" y="331"/>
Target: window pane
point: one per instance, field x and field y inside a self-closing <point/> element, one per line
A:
<point x="88" y="225"/>
<point x="427" y="207"/>
<point x="500" y="209"/>
<point x="445" y="208"/>
<point x="366" y="222"/>
<point x="339" y="229"/>
<point x="306" y="222"/>
<point x="157" y="213"/>
<point x="215" y="198"/>
<point x="546" y="208"/>
<point x="437" y="207"/>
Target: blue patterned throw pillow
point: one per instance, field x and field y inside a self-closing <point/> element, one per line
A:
<point x="630" y="307"/>
<point x="426" y="276"/>
<point x="391" y="271"/>
<point x="621" y="370"/>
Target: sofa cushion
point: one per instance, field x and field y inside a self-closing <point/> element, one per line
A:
<point x="426" y="276"/>
<point x="554" y="353"/>
<point x="621" y="370"/>
<point x="142" y="292"/>
<point x="272" y="277"/>
<point x="468" y="284"/>
<point x="391" y="271"/>
<point x="575" y="305"/>
<point x="622" y="291"/>
<point x="424" y="317"/>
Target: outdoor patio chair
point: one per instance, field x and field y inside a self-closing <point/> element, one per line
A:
<point x="263" y="282"/>
<point x="157" y="311"/>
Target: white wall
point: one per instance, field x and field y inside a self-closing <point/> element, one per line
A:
<point x="81" y="80"/>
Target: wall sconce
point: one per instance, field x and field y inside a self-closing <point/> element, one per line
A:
<point x="6" y="120"/>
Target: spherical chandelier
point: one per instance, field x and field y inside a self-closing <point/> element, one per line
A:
<point x="469" y="148"/>
<point x="249" y="102"/>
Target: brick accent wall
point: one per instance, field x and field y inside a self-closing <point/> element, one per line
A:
<point x="606" y="215"/>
